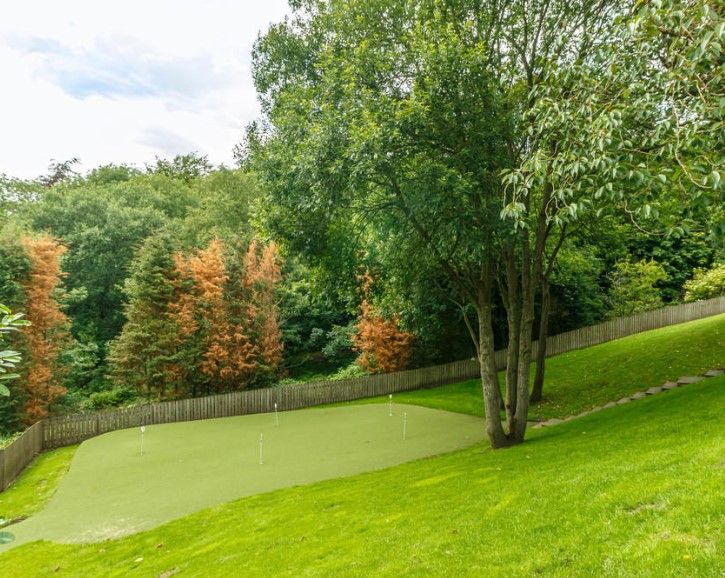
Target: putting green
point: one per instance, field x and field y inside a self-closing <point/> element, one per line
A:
<point x="112" y="490"/>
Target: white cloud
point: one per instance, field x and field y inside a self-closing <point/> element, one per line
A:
<point x="123" y="82"/>
<point x="121" y="66"/>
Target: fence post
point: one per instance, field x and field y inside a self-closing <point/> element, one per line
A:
<point x="2" y="470"/>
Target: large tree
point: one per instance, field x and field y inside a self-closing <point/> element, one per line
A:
<point x="398" y="120"/>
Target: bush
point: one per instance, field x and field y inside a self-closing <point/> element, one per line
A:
<point x="109" y="399"/>
<point x="348" y="372"/>
<point x="706" y="284"/>
<point x="635" y="287"/>
<point x="339" y="342"/>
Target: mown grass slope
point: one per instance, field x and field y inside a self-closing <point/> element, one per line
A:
<point x="582" y="379"/>
<point x="638" y="490"/>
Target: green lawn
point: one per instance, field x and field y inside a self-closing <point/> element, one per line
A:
<point x="637" y="490"/>
<point x="28" y="494"/>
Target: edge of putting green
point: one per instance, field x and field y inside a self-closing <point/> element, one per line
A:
<point x="112" y="490"/>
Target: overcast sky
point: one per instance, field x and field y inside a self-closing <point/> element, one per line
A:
<point x="112" y="81"/>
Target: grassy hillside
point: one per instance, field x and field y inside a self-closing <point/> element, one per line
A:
<point x="637" y="490"/>
<point x="582" y="379"/>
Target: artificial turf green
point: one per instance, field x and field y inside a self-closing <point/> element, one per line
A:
<point x="636" y="490"/>
<point x="113" y="490"/>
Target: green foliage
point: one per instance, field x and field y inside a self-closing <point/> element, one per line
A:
<point x="9" y="358"/>
<point x="109" y="399"/>
<point x="101" y="226"/>
<point x="14" y="266"/>
<point x="86" y="370"/>
<point x="637" y="120"/>
<point x="706" y="283"/>
<point x="310" y="312"/>
<point x="635" y="287"/>
<point x="141" y="356"/>
<point x="679" y="255"/>
<point x="15" y="195"/>
<point x="339" y="345"/>
<point x="109" y="174"/>
<point x="578" y="299"/>
<point x="104" y="217"/>
<point x="393" y="125"/>
<point x="186" y="168"/>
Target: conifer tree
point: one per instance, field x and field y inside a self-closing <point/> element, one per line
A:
<point x="217" y="353"/>
<point x="383" y="346"/>
<point x="143" y="355"/>
<point x="261" y="276"/>
<point x="48" y="330"/>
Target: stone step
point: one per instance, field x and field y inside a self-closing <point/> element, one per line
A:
<point x="623" y="401"/>
<point x="553" y="421"/>
<point x="653" y="390"/>
<point x="670" y="385"/>
<point x="638" y="395"/>
<point x="690" y="379"/>
<point x="610" y="404"/>
<point x="714" y="372"/>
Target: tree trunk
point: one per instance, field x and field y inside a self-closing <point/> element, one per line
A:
<point x="487" y="363"/>
<point x="512" y="302"/>
<point x="538" y="388"/>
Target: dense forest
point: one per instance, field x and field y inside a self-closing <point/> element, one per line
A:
<point x="417" y="191"/>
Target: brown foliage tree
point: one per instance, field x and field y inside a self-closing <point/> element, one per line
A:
<point x="215" y="343"/>
<point x="48" y="331"/>
<point x="261" y="275"/>
<point x="383" y="346"/>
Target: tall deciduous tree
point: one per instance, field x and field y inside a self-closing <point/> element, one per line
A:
<point x="401" y="118"/>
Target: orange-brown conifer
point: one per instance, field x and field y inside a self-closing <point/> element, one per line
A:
<point x="383" y="346"/>
<point x="48" y="331"/>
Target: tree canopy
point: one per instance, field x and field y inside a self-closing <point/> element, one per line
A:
<point x="462" y="132"/>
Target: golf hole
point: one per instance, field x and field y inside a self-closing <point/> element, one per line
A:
<point x="6" y="537"/>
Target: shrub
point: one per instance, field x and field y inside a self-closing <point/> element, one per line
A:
<point x="635" y="287"/>
<point x="109" y="399"/>
<point x="706" y="284"/>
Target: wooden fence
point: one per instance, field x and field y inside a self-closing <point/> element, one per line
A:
<point x="69" y="430"/>
<point x="15" y="457"/>
<point x="64" y="431"/>
<point x="624" y="326"/>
